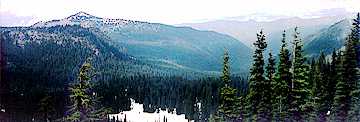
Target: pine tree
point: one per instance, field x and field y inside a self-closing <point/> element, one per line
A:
<point x="80" y="95"/>
<point x="282" y="82"/>
<point x="311" y="112"/>
<point x="83" y="100"/>
<point x="341" y="98"/>
<point x="270" y="68"/>
<point x="256" y="104"/>
<point x="321" y="85"/>
<point x="268" y="91"/>
<point x="355" y="32"/>
<point x="299" y="86"/>
<point x="226" y="69"/>
<point x="351" y="65"/>
<point x="332" y="79"/>
<point x="227" y="109"/>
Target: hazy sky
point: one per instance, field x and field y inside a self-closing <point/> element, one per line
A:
<point x="25" y="12"/>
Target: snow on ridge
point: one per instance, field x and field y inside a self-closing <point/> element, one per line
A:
<point x="86" y="20"/>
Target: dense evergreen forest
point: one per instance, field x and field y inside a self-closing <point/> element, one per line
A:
<point x="89" y="79"/>
<point x="295" y="88"/>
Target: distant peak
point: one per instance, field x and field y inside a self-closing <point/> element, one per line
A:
<point x="81" y="15"/>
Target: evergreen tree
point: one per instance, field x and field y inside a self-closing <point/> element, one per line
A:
<point x="282" y="82"/>
<point x="268" y="91"/>
<point x="311" y="115"/>
<point x="83" y="100"/>
<point x="80" y="95"/>
<point x="270" y="69"/>
<point x="341" y="98"/>
<point x="320" y="87"/>
<point x="332" y="79"/>
<point x="257" y="106"/>
<point x="299" y="86"/>
<point x="227" y="109"/>
<point x="351" y="65"/>
<point x="226" y="69"/>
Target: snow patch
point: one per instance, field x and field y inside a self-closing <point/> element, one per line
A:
<point x="137" y="114"/>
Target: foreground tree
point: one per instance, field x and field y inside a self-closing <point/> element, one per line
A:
<point x="320" y="86"/>
<point x="228" y="108"/>
<point x="341" y="101"/>
<point x="270" y="78"/>
<point x="282" y="83"/>
<point x="84" y="107"/>
<point x="352" y="68"/>
<point x="257" y="99"/>
<point x="299" y="86"/>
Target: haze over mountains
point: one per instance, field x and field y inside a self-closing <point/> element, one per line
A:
<point x="244" y="28"/>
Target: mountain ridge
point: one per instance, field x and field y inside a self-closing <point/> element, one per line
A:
<point x="178" y="47"/>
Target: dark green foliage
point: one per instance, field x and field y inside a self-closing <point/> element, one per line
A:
<point x="228" y="109"/>
<point x="341" y="98"/>
<point x="352" y="69"/>
<point x="281" y="86"/>
<point x="321" y="87"/>
<point x="270" y="69"/>
<point x="268" y="90"/>
<point x="83" y="98"/>
<point x="311" y="114"/>
<point x="257" y="105"/>
<point x="347" y="89"/>
<point x="300" y="91"/>
<point x="332" y="78"/>
<point x="226" y="69"/>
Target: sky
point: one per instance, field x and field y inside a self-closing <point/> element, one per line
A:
<point x="27" y="12"/>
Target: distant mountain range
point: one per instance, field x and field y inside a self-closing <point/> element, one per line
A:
<point x="245" y="28"/>
<point x="158" y="45"/>
<point x="328" y="39"/>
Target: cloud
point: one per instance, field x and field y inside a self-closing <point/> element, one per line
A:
<point x="8" y="19"/>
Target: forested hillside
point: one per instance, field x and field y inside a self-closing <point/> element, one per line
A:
<point x="164" y="44"/>
<point x="39" y="62"/>
<point x="327" y="39"/>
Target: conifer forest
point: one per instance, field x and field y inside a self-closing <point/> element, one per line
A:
<point x="84" y="68"/>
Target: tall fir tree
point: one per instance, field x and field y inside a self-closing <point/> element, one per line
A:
<point x="351" y="64"/>
<point x="84" y="101"/>
<point x="299" y="86"/>
<point x="228" y="110"/>
<point x="257" y="106"/>
<point x="332" y="79"/>
<point x="80" y="95"/>
<point x="282" y="82"/>
<point x="268" y="91"/>
<point x="311" y="115"/>
<point x="320" y="87"/>
<point x="356" y="36"/>
<point x="341" y="98"/>
<point x="270" y="69"/>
